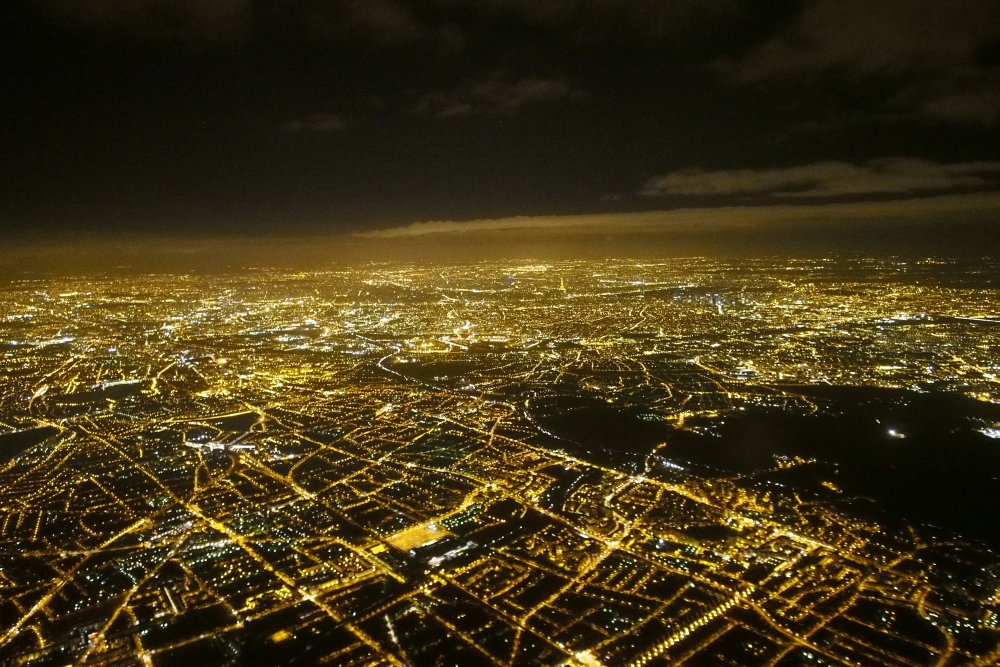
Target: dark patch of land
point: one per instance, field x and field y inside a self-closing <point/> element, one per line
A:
<point x="919" y="457"/>
<point x="15" y="443"/>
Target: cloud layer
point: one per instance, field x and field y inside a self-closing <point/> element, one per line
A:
<point x="318" y="122"/>
<point x="496" y="94"/>
<point x="933" y="51"/>
<point x="384" y="22"/>
<point x="909" y="211"/>
<point x="830" y="179"/>
<point x="937" y="46"/>
<point x="650" y="18"/>
<point x="865" y="37"/>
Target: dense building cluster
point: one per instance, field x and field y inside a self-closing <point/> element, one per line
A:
<point x="366" y="467"/>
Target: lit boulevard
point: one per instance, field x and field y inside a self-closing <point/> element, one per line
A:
<point x="367" y="467"/>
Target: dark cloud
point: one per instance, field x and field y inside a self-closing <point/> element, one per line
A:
<point x="317" y="122"/>
<point x="981" y="106"/>
<point x="247" y="128"/>
<point x="211" y="20"/>
<point x="383" y="22"/>
<point x="936" y="48"/>
<point x="390" y="23"/>
<point x="863" y="37"/>
<point x="387" y="23"/>
<point x="496" y="94"/>
<point x="830" y="179"/>
<point x="652" y="18"/>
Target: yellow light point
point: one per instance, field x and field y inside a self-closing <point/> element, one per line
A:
<point x="587" y="659"/>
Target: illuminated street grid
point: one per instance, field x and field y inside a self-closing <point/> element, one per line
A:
<point x="345" y="467"/>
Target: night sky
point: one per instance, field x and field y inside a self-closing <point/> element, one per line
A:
<point x="195" y="117"/>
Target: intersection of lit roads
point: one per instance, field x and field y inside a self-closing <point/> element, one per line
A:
<point x="358" y="467"/>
